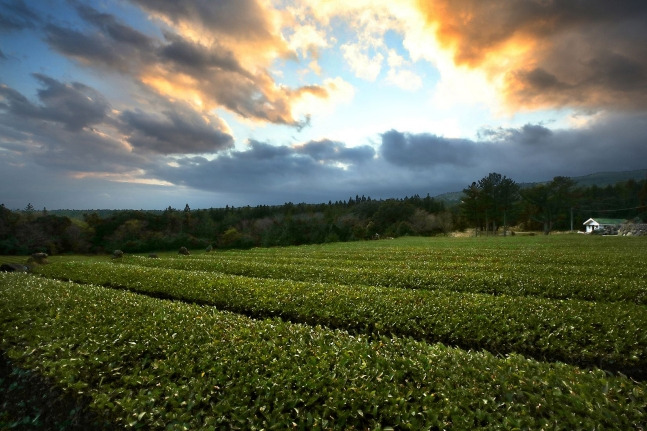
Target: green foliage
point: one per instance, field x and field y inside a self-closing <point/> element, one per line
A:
<point x="237" y="228"/>
<point x="153" y="364"/>
<point x="488" y="204"/>
<point x="551" y="205"/>
<point x="548" y="202"/>
<point x="512" y="320"/>
<point x="567" y="267"/>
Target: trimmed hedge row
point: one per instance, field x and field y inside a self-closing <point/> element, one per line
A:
<point x="608" y="335"/>
<point x="515" y="280"/>
<point x="579" y="255"/>
<point x="159" y="364"/>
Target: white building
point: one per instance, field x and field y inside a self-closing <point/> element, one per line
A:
<point x="600" y="223"/>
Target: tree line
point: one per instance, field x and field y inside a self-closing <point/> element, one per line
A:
<point x="496" y="202"/>
<point x="490" y="205"/>
<point x="28" y="231"/>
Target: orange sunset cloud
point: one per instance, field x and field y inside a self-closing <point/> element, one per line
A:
<point x="545" y="54"/>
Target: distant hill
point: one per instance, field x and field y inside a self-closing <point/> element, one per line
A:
<point x="600" y="179"/>
<point x="103" y="213"/>
<point x="450" y="198"/>
<point x="603" y="179"/>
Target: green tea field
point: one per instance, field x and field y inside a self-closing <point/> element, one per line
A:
<point x="529" y="333"/>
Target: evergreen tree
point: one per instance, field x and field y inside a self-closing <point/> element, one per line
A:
<point x="550" y="201"/>
<point x="489" y="202"/>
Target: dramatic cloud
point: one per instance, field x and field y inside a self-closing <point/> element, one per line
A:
<point x="313" y="170"/>
<point x="260" y="101"/>
<point x="528" y="153"/>
<point x="417" y="163"/>
<point x="74" y="128"/>
<point x="206" y="58"/>
<point x="368" y="54"/>
<point x="426" y="151"/>
<point x="111" y="46"/>
<point x="240" y="21"/>
<point x="326" y="151"/>
<point x="116" y="31"/>
<point x="262" y="168"/>
<point x="195" y="59"/>
<point x="174" y="132"/>
<point x="74" y="105"/>
<point x="550" y="53"/>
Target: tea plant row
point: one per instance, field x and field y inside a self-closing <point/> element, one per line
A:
<point x="156" y="364"/>
<point x="609" y="335"/>
<point x="569" y="254"/>
<point x="527" y="280"/>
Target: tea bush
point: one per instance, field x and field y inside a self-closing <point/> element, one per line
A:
<point x="156" y="364"/>
<point x="609" y="335"/>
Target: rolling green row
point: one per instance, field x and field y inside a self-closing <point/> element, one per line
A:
<point x="580" y="255"/>
<point x="459" y="276"/>
<point x="577" y="255"/>
<point x="603" y="267"/>
<point x="159" y="364"/>
<point x="609" y="335"/>
<point x="430" y="261"/>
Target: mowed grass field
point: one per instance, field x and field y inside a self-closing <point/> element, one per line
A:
<point x="543" y="332"/>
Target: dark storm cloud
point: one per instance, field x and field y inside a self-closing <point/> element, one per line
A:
<point x="262" y="168"/>
<point x="60" y="133"/>
<point x="551" y="53"/>
<point x="83" y="152"/>
<point x="242" y="19"/>
<point x="117" y="31"/>
<point x="55" y="148"/>
<point x="73" y="105"/>
<point x="177" y="131"/>
<point x="111" y="45"/>
<point x="529" y="153"/>
<point x="541" y="80"/>
<point x="615" y="143"/>
<point x="13" y="101"/>
<point x="73" y="129"/>
<point x="188" y="55"/>
<point x="16" y="15"/>
<point x="276" y="170"/>
<point x="42" y="188"/>
<point x="426" y="150"/>
<point x="328" y="151"/>
<point x="530" y="134"/>
<point x="263" y="152"/>
<point x="86" y="47"/>
<point x="410" y="163"/>
<point x="618" y="72"/>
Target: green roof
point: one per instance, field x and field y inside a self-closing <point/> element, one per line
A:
<point x="609" y="220"/>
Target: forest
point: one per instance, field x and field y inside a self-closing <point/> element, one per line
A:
<point x="494" y="205"/>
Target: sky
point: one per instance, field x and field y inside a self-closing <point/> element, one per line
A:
<point x="146" y="104"/>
